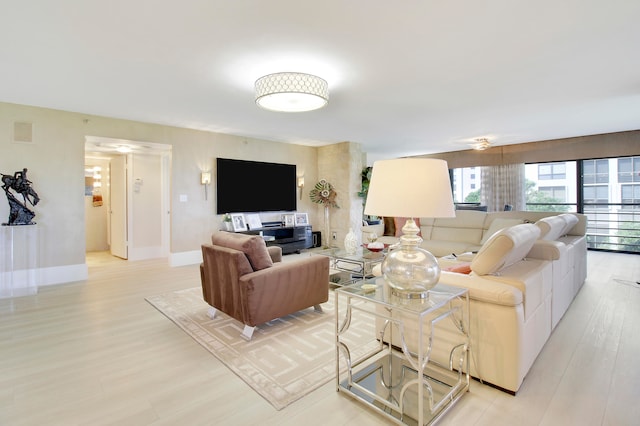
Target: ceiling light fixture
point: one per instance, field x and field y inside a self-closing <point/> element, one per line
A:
<point x="291" y="92"/>
<point x="481" y="144"/>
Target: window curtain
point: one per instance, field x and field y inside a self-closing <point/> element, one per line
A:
<point x="503" y="185"/>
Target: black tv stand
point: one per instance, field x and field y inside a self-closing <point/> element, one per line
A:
<point x="271" y="225"/>
<point x="291" y="239"/>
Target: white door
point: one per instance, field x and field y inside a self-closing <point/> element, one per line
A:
<point x="118" y="207"/>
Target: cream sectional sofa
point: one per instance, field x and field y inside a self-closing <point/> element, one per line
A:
<point x="528" y="268"/>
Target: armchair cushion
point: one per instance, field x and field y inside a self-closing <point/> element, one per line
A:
<point x="253" y="246"/>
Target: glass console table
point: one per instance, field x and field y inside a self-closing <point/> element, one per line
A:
<point x="398" y="378"/>
<point x="351" y="266"/>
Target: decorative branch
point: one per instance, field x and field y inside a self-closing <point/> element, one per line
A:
<point x="323" y="193"/>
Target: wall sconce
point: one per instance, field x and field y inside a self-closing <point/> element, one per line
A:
<point x="301" y="185"/>
<point x="97" y="177"/>
<point x="205" y="179"/>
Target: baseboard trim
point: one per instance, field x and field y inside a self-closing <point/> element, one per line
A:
<point x="144" y="253"/>
<point x="185" y="258"/>
<point x="27" y="281"/>
<point x="63" y="274"/>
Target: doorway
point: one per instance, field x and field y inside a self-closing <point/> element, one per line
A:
<point x="127" y="210"/>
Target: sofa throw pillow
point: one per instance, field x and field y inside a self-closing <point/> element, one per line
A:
<point x="389" y="226"/>
<point x="498" y="224"/>
<point x="462" y="268"/>
<point x="504" y="248"/>
<point x="253" y="246"/>
<point x="399" y="223"/>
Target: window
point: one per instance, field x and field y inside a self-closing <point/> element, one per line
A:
<point x="543" y="195"/>
<point x="595" y="171"/>
<point x="609" y="195"/>
<point x="630" y="195"/>
<point x="550" y="171"/>
<point x="629" y="169"/>
<point x="466" y="188"/>
<point x="596" y="194"/>
<point x="557" y="192"/>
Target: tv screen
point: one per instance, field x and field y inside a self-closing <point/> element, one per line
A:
<point x="254" y="186"/>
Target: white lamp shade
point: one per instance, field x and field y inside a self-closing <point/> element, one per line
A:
<point x="410" y="187"/>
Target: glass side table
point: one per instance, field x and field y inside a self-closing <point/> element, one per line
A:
<point x="351" y="266"/>
<point x="398" y="378"/>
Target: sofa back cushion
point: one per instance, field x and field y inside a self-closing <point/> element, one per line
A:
<point x="465" y="227"/>
<point x="551" y="227"/>
<point x="504" y="248"/>
<point x="497" y="224"/>
<point x="570" y="222"/>
<point x="253" y="246"/>
<point x="426" y="226"/>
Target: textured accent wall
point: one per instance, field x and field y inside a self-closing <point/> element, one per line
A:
<point x="341" y="164"/>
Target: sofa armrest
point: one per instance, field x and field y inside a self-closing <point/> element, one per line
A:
<point x="547" y="250"/>
<point x="275" y="252"/>
<point x="284" y="288"/>
<point x="483" y="289"/>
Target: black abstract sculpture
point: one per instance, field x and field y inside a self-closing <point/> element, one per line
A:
<point x="19" y="213"/>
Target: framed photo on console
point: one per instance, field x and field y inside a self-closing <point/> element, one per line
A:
<point x="301" y="219"/>
<point x="288" y="220"/>
<point x="239" y="224"/>
<point x="254" y="222"/>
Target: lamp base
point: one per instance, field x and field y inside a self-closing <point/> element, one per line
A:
<point x="410" y="270"/>
<point x="409" y="294"/>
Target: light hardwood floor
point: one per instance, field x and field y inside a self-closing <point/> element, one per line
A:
<point x="95" y="352"/>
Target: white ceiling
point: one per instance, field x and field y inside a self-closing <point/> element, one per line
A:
<point x="405" y="78"/>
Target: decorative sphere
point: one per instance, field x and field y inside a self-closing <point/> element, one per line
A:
<point x="411" y="270"/>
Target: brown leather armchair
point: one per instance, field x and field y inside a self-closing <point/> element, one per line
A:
<point x="247" y="280"/>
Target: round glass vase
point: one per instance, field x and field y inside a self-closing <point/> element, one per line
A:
<point x="410" y="271"/>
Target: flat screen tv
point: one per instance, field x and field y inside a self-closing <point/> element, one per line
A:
<point x="254" y="186"/>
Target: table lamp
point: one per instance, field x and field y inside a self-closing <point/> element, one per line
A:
<point x="410" y="188"/>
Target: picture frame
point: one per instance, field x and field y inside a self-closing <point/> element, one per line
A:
<point x="238" y="221"/>
<point x="288" y="220"/>
<point x="254" y="222"/>
<point x="301" y="219"/>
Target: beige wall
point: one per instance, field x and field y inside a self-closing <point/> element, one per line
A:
<point x="55" y="161"/>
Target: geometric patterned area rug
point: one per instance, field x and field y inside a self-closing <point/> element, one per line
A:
<point x="286" y="359"/>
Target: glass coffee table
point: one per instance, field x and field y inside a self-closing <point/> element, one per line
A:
<point x="351" y="267"/>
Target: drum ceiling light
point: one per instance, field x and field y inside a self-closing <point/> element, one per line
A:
<point x="291" y="92"/>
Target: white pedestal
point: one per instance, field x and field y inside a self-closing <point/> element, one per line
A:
<point x="18" y="260"/>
